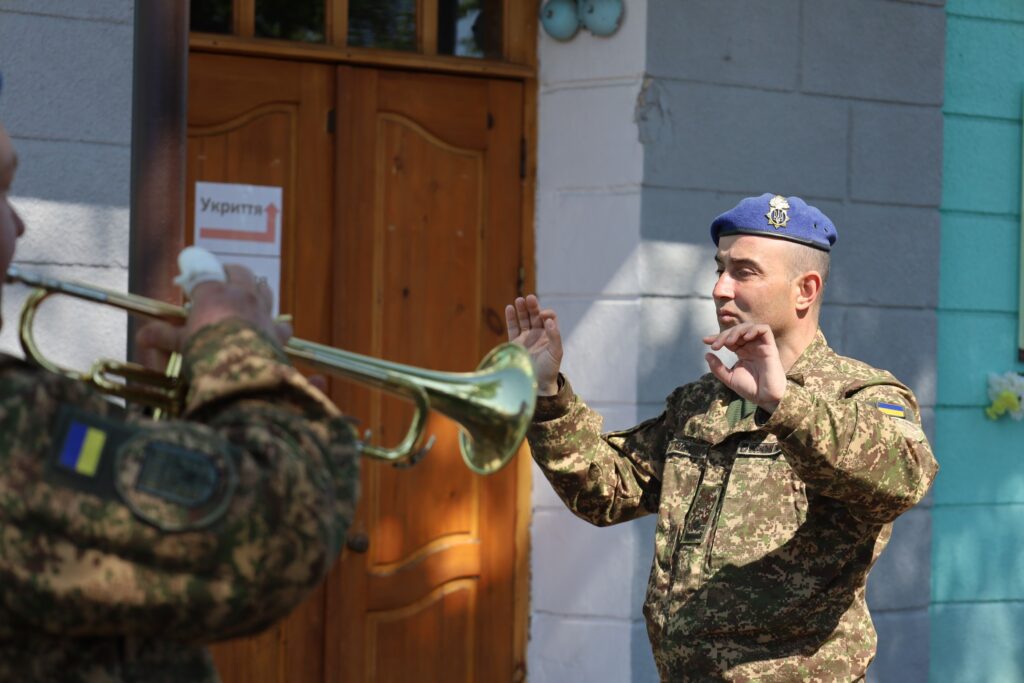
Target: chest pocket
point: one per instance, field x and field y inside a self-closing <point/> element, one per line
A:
<point x="685" y="464"/>
<point x="764" y="504"/>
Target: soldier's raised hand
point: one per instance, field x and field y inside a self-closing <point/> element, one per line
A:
<point x="537" y="331"/>
<point x="758" y="374"/>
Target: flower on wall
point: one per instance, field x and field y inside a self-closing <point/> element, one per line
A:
<point x="1006" y="393"/>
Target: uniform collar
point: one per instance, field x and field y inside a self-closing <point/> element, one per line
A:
<point x="810" y="358"/>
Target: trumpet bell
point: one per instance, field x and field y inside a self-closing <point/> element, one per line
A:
<point x="493" y="405"/>
<point x="495" y="417"/>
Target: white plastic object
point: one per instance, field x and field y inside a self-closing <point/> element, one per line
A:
<point x="197" y="265"/>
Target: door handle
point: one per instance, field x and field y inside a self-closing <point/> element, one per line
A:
<point x="357" y="542"/>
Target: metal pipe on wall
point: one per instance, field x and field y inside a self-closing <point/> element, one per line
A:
<point x="159" y="136"/>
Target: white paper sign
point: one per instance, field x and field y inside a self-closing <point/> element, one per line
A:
<point x="242" y="224"/>
<point x="238" y="219"/>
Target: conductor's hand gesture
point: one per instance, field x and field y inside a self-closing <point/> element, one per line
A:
<point x="537" y="331"/>
<point x="758" y="375"/>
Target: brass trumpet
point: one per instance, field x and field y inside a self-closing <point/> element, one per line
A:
<point x="493" y="405"/>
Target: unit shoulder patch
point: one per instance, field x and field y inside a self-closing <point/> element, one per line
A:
<point x="911" y="431"/>
<point x="176" y="477"/>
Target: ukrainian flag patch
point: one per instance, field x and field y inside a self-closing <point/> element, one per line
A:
<point x="82" y="448"/>
<point x="83" y="451"/>
<point x="892" y="409"/>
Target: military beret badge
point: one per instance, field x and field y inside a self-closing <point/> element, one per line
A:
<point x="778" y="211"/>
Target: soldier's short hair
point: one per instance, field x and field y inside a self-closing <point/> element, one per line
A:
<point x="809" y="258"/>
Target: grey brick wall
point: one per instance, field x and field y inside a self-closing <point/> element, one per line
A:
<point x="67" y="105"/>
<point x="587" y="584"/>
<point x="836" y="101"/>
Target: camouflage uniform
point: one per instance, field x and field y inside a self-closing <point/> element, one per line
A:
<point x="767" y="525"/>
<point x="184" y="533"/>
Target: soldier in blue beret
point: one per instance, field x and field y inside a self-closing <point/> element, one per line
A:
<point x="128" y="545"/>
<point x="775" y="481"/>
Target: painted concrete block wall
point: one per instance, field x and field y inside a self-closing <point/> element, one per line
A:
<point x="588" y="583"/>
<point x="977" y="611"/>
<point x="839" y="102"/>
<point x="66" y="103"/>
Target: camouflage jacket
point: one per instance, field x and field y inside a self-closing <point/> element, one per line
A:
<point x="126" y="544"/>
<point x="767" y="525"/>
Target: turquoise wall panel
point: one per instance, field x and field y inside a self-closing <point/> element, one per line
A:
<point x="1010" y="10"/>
<point x="981" y="165"/>
<point x="982" y="71"/>
<point x="978" y="266"/>
<point x="980" y="459"/>
<point x="977" y="643"/>
<point x="971" y="345"/>
<point x="978" y="551"/>
<point x="977" y="611"/>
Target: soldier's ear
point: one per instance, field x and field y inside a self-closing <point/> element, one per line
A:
<point x="808" y="290"/>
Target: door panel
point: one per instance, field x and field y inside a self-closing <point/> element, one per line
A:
<point x="402" y="240"/>
<point x="264" y="122"/>
<point x="429" y="218"/>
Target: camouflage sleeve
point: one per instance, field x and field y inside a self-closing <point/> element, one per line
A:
<point x="199" y="529"/>
<point x="603" y="479"/>
<point x="866" y="449"/>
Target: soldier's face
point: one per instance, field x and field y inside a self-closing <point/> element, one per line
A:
<point x="754" y="282"/>
<point x="11" y="227"/>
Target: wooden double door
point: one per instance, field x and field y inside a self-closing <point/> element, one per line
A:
<point x="401" y="238"/>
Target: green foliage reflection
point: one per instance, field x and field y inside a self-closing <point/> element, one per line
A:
<point x="296" y="20"/>
<point x="385" y="24"/>
<point x="210" y="16"/>
<point x="469" y="28"/>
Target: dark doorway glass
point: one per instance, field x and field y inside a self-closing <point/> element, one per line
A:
<point x="210" y="16"/>
<point x="469" y="28"/>
<point x="384" y="24"/>
<point x="298" y="20"/>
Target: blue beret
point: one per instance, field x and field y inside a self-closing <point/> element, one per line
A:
<point x="772" y="215"/>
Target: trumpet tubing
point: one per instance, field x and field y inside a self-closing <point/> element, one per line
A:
<point x="493" y="405"/>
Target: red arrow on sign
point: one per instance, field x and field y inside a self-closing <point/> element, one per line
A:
<point x="268" y="235"/>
